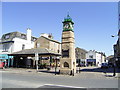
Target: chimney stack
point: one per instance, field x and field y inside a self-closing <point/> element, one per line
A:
<point x="29" y="34"/>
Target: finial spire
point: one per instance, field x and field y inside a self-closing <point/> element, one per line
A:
<point x="68" y="14"/>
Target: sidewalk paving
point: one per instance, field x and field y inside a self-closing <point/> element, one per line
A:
<point x="106" y="72"/>
<point x="19" y="76"/>
<point x="24" y="71"/>
<point x="52" y="72"/>
<point x="29" y="71"/>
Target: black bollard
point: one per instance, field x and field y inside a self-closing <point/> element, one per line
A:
<point x="79" y="69"/>
<point x="59" y="71"/>
<point x="114" y="74"/>
<point x="73" y="72"/>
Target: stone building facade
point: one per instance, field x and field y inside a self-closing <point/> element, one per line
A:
<point x="46" y="41"/>
<point x="80" y="56"/>
<point x="117" y="45"/>
<point x="117" y="51"/>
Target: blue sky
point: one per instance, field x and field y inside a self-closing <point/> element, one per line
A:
<point x="95" y="22"/>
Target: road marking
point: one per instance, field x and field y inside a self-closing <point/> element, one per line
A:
<point x="62" y="86"/>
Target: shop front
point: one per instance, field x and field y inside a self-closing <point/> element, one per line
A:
<point x="91" y="62"/>
<point x="5" y="60"/>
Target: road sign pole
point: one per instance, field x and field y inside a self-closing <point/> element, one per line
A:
<point x="37" y="65"/>
<point x="36" y="58"/>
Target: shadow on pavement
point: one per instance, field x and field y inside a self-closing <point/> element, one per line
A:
<point x="104" y="70"/>
<point x="46" y="71"/>
<point x="109" y="75"/>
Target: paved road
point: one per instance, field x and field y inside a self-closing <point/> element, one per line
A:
<point x="37" y="80"/>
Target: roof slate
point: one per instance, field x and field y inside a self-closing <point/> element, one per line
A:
<point x="13" y="35"/>
<point x="51" y="39"/>
<point x="35" y="50"/>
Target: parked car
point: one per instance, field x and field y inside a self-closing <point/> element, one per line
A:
<point x="104" y="65"/>
<point x="110" y="64"/>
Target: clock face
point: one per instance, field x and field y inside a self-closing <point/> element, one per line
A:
<point x="66" y="26"/>
<point x="71" y="26"/>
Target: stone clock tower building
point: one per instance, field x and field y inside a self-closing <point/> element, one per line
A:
<point x="68" y="60"/>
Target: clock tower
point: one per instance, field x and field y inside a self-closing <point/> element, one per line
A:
<point x="68" y="60"/>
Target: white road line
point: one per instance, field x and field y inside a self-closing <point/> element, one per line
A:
<point x="63" y="86"/>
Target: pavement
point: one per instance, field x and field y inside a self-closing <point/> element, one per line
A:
<point x="83" y="73"/>
<point x="27" y="71"/>
<point x="89" y="77"/>
<point x="106" y="72"/>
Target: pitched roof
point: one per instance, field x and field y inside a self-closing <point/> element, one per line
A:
<point x="50" y="39"/>
<point x="13" y="35"/>
<point x="81" y="49"/>
<point x="41" y="51"/>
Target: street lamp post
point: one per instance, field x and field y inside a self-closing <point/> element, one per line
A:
<point x="79" y="65"/>
<point x="114" y="72"/>
<point x="114" y="69"/>
<point x="36" y="58"/>
<point x="56" y="65"/>
<point x="114" y="66"/>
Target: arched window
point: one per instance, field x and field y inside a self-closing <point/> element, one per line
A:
<point x="66" y="64"/>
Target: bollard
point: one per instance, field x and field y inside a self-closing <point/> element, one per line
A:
<point x="73" y="72"/>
